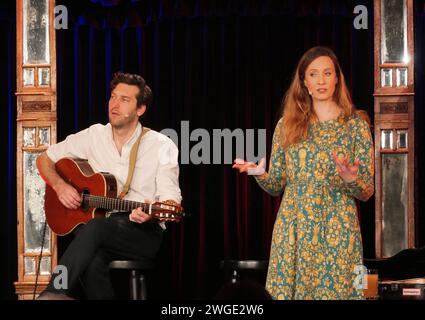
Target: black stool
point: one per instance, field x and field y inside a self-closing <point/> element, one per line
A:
<point x="237" y="265"/>
<point x="138" y="269"/>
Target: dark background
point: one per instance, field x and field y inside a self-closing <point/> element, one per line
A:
<point x="216" y="64"/>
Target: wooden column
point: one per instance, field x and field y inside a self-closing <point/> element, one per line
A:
<point x="36" y="130"/>
<point x="394" y="126"/>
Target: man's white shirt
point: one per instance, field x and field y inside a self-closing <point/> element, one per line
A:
<point x="156" y="173"/>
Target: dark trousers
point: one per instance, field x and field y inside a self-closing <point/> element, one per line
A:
<point x="99" y="242"/>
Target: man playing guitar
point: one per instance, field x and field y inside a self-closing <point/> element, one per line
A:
<point x="107" y="148"/>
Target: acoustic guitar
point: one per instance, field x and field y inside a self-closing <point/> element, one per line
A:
<point x="99" y="195"/>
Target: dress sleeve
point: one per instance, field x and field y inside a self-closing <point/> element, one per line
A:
<point x="363" y="187"/>
<point x="274" y="181"/>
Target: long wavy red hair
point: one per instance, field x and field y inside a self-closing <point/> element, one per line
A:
<point x="298" y="111"/>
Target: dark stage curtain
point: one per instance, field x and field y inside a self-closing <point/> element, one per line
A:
<point x="8" y="244"/>
<point x="223" y="64"/>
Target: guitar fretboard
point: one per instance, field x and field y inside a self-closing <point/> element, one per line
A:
<point x="113" y="203"/>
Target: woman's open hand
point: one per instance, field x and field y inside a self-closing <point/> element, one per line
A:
<point x="250" y="167"/>
<point x="347" y="172"/>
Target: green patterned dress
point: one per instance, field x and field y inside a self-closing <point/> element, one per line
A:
<point x="316" y="242"/>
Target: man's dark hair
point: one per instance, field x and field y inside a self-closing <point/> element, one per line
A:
<point x="145" y="93"/>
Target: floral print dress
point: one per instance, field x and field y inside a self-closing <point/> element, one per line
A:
<point x="316" y="244"/>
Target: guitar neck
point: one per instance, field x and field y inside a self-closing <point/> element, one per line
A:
<point x="113" y="203"/>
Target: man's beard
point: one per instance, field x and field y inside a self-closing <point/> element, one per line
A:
<point x="122" y="122"/>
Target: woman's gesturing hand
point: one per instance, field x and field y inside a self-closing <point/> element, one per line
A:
<point x="347" y="172"/>
<point x="250" y="167"/>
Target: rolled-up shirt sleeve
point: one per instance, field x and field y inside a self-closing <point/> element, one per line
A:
<point x="74" y="146"/>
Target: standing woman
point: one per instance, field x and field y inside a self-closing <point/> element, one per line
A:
<point x="322" y="157"/>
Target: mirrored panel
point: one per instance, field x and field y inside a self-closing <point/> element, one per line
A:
<point x="401" y="75"/>
<point x="36" y="32"/>
<point x="387" y="139"/>
<point x="394" y="31"/>
<point x="401" y="139"/>
<point x="29" y="137"/>
<point x="28" y="77"/>
<point x="386" y="77"/>
<point x="34" y="188"/>
<point x="43" y="76"/>
<point x="29" y="265"/>
<point x="44" y="136"/>
<point x="45" y="265"/>
<point x="394" y="204"/>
